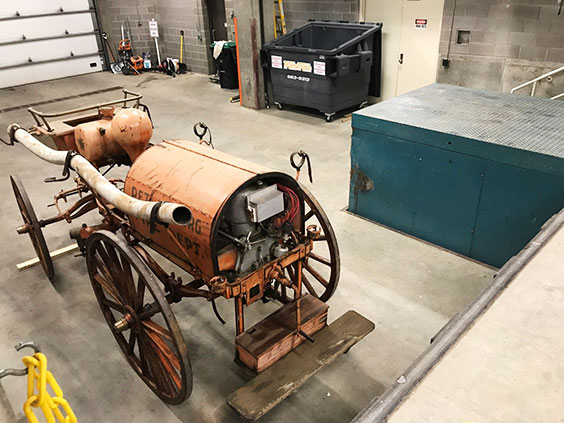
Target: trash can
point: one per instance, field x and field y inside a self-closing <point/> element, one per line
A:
<point x="328" y="66"/>
<point x="226" y="65"/>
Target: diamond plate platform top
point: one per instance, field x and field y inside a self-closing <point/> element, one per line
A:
<point x="526" y="123"/>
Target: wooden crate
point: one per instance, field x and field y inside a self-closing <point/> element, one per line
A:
<point x="268" y="341"/>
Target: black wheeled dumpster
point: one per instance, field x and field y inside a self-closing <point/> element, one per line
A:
<point x="328" y="66"/>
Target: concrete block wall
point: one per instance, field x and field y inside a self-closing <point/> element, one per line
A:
<point x="172" y="16"/>
<point x="527" y="29"/>
<point x="230" y="24"/>
<point x="510" y="43"/>
<point x="191" y="17"/>
<point x="298" y="12"/>
<point x="113" y="14"/>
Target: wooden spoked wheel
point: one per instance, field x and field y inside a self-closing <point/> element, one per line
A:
<point x="321" y="269"/>
<point x="32" y="227"/>
<point x="139" y="315"/>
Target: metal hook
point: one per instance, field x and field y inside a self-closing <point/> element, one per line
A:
<point x="28" y="344"/>
<point x="20" y="372"/>
<point x="203" y="133"/>
<point x="304" y="158"/>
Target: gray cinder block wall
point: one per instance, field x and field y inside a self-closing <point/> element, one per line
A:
<point x="298" y="12"/>
<point x="230" y="25"/>
<point x="113" y="14"/>
<point x="510" y="42"/>
<point x="191" y="17"/>
<point x="172" y="16"/>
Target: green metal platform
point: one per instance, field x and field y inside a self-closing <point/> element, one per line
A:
<point x="473" y="171"/>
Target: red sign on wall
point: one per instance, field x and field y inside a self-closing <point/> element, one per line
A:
<point x="420" y="23"/>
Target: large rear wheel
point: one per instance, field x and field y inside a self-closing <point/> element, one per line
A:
<point x="321" y="269"/>
<point x="139" y="315"/>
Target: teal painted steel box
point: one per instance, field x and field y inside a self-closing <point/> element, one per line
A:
<point x="472" y="171"/>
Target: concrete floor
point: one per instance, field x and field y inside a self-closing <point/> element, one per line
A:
<point x="508" y="366"/>
<point x="408" y="288"/>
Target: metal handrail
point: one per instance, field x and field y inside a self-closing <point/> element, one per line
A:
<point x="536" y="80"/>
<point x="37" y="114"/>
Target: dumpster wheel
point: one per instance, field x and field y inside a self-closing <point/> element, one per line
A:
<point x="329" y="117"/>
<point x="279" y="105"/>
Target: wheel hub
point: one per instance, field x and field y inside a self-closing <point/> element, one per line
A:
<point x="24" y="229"/>
<point x="127" y="321"/>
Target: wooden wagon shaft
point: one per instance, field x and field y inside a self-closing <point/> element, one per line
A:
<point x="54" y="254"/>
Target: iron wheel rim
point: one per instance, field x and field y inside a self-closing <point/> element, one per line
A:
<point x="34" y="228"/>
<point x="313" y="282"/>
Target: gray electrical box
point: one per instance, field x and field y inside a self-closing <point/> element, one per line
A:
<point x="265" y="203"/>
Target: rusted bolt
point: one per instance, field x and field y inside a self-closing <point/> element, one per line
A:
<point x="23" y="229"/>
<point x="218" y="284"/>
<point x="313" y="231"/>
<point x="277" y="274"/>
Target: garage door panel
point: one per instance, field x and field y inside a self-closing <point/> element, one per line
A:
<point x="47" y="39"/>
<point x="15" y="54"/>
<point x="33" y="7"/>
<point x="41" y="72"/>
<point x="50" y="26"/>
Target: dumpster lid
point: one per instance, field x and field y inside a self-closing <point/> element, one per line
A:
<point x="324" y="37"/>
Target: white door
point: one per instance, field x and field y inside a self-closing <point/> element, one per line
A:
<point x="390" y="14"/>
<point x="46" y="39"/>
<point x="420" y="37"/>
<point x="416" y="46"/>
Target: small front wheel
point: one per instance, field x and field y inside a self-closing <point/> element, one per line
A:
<point x="32" y="227"/>
<point x="329" y="117"/>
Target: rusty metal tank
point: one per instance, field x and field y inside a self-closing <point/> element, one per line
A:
<point x="221" y="191"/>
<point x="114" y="137"/>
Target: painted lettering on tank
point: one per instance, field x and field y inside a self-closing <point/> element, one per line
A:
<point x="195" y="225"/>
<point x="187" y="243"/>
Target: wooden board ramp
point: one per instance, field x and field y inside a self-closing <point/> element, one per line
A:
<point x="254" y="399"/>
<point x="54" y="254"/>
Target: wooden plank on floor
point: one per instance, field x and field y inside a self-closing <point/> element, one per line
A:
<point x="57" y="253"/>
<point x="276" y="383"/>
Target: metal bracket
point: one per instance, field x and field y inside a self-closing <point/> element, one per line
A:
<point x="12" y="134"/>
<point x="20" y="372"/>
<point x="154" y="217"/>
<point x="66" y="169"/>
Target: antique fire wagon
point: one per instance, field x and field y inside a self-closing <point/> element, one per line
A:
<point x="242" y="232"/>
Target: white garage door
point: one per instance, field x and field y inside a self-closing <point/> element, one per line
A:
<point x="46" y="39"/>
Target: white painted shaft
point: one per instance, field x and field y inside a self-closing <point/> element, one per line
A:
<point x="168" y="212"/>
<point x="158" y="51"/>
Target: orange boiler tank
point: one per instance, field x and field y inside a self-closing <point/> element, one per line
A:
<point x="221" y="191"/>
<point x="113" y="137"/>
